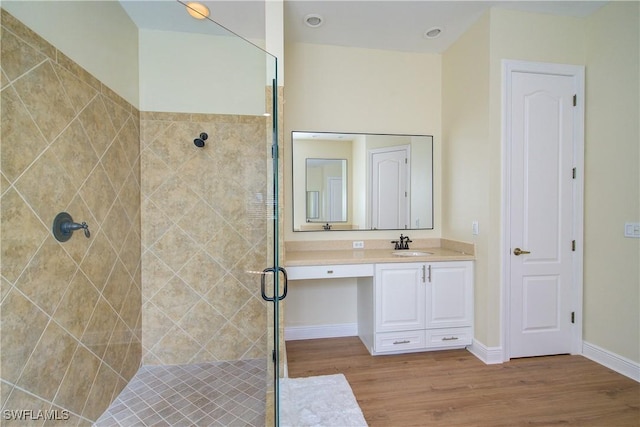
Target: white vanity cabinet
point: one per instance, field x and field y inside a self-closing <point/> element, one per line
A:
<point x="399" y="297"/>
<point x="417" y="306"/>
<point x="449" y="304"/>
<point x="399" y="313"/>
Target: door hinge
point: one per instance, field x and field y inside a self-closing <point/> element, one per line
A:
<point x="406" y="161"/>
<point x="573" y="246"/>
<point x="573" y="317"/>
<point x="573" y="173"/>
<point x="575" y="100"/>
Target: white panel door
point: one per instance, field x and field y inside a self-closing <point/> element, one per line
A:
<point x="541" y="213"/>
<point x="389" y="188"/>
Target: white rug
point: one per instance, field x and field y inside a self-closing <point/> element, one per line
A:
<point x="324" y="401"/>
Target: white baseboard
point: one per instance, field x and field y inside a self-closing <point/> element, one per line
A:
<point x="613" y="361"/>
<point x="489" y="355"/>
<point x="292" y="333"/>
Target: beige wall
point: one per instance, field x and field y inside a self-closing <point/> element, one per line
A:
<point x="178" y="75"/>
<point x="612" y="181"/>
<point x="339" y="89"/>
<point x="465" y="154"/>
<point x="107" y="48"/>
<point x="70" y="313"/>
<point x="508" y="34"/>
<point x="274" y="34"/>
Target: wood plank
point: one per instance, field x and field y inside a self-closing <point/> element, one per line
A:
<point x="454" y="388"/>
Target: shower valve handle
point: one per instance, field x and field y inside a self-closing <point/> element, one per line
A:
<point x="68" y="227"/>
<point x="63" y="227"/>
<point x="87" y="233"/>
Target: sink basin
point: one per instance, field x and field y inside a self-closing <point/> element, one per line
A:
<point x="409" y="252"/>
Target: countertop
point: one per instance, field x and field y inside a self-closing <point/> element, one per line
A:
<point x="376" y="251"/>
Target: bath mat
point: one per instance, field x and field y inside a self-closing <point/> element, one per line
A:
<point x="323" y="401"/>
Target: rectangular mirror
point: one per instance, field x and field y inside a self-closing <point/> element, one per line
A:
<point x="387" y="186"/>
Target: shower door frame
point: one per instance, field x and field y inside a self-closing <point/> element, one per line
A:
<point x="279" y="289"/>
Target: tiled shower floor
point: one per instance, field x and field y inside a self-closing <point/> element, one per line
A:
<point x="208" y="394"/>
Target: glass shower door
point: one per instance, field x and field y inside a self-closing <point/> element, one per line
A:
<point x="274" y="276"/>
<point x="198" y="77"/>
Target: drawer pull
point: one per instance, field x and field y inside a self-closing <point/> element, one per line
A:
<point x="401" y="342"/>
<point x="329" y="271"/>
<point x="449" y="338"/>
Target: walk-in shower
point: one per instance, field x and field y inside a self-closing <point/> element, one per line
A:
<point x="182" y="237"/>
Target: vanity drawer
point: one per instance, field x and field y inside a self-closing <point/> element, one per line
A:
<point x="452" y="337"/>
<point x="400" y="341"/>
<point x="329" y="271"/>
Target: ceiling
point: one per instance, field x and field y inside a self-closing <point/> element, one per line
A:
<point x="375" y="24"/>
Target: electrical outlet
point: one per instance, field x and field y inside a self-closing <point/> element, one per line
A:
<point x="632" y="229"/>
<point x="358" y="244"/>
<point x="475" y="228"/>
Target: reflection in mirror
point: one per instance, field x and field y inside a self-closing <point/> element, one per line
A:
<point x="312" y="205"/>
<point x="326" y="183"/>
<point x="388" y="186"/>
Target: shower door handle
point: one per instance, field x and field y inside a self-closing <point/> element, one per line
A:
<point x="263" y="286"/>
<point x="285" y="284"/>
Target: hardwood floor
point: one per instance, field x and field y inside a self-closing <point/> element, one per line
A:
<point x="454" y="388"/>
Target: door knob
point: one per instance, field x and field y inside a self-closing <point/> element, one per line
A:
<point x="518" y="251"/>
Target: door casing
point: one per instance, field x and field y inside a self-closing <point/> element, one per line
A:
<point x="577" y="73"/>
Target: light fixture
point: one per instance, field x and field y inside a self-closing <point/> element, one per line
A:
<point x="313" y="20"/>
<point x="197" y="10"/>
<point x="432" y="33"/>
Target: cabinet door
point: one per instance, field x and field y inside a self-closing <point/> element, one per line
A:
<point x="400" y="293"/>
<point x="449" y="294"/>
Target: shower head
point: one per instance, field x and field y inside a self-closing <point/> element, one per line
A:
<point x="199" y="142"/>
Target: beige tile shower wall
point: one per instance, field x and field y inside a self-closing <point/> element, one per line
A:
<point x="71" y="312"/>
<point x="204" y="237"/>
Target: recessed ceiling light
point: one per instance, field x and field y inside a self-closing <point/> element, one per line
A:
<point x="313" y="20"/>
<point x="432" y="33"/>
<point x="197" y="10"/>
